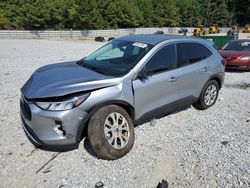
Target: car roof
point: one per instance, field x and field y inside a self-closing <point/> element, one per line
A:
<point x="152" y="39"/>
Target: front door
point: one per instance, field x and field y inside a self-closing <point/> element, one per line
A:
<point x="160" y="88"/>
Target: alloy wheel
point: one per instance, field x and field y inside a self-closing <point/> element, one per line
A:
<point x="210" y="95"/>
<point x="116" y="130"/>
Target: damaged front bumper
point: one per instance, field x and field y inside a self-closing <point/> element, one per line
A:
<point x="53" y="130"/>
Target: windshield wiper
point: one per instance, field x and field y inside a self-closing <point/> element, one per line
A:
<point x="80" y="62"/>
<point x="92" y="68"/>
<point x="83" y="64"/>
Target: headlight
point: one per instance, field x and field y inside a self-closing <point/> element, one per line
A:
<point x="62" y="105"/>
<point x="247" y="58"/>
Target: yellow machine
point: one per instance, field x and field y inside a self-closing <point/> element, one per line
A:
<point x="214" y="29"/>
<point x="246" y="29"/>
<point x="198" y="31"/>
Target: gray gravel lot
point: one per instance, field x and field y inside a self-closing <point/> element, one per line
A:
<point x="191" y="148"/>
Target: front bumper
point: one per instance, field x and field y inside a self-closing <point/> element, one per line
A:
<point x="53" y="130"/>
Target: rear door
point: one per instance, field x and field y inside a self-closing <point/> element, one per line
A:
<point x="193" y="62"/>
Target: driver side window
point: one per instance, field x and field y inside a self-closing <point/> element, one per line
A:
<point x="162" y="60"/>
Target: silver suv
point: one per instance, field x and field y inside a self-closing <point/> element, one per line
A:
<point x="124" y="83"/>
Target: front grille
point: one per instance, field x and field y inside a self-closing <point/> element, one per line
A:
<point x="25" y="109"/>
<point x="232" y="66"/>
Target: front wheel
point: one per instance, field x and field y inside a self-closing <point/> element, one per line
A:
<point x="208" y="96"/>
<point x="111" y="132"/>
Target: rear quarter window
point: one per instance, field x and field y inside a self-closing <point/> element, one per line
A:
<point x="189" y="53"/>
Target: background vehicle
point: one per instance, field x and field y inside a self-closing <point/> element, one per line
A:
<point x="100" y="39"/>
<point x="246" y="29"/>
<point x="183" y="31"/>
<point x="110" y="91"/>
<point x="159" y="32"/>
<point x="199" y="31"/>
<point x="237" y="54"/>
<point x="214" y="29"/>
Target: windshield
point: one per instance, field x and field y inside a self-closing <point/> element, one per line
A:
<point x="116" y="58"/>
<point x="237" y="46"/>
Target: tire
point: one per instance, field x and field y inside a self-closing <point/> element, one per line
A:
<point x="204" y="102"/>
<point x="105" y="136"/>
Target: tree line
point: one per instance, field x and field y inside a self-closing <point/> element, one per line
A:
<point x="107" y="14"/>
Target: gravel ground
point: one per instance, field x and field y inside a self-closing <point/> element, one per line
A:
<point x="191" y="148"/>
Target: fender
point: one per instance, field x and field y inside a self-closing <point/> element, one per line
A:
<point x="218" y="78"/>
<point x="128" y="107"/>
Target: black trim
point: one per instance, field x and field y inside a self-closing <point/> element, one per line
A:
<point x="166" y="109"/>
<point x="25" y="109"/>
<point x="41" y="145"/>
<point x="217" y="77"/>
<point x="95" y="108"/>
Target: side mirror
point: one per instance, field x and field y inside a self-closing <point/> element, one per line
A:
<point x="143" y="74"/>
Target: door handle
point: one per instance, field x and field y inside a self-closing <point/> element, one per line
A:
<point x="172" y="79"/>
<point x="205" y="69"/>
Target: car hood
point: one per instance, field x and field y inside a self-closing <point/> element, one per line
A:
<point x="229" y="53"/>
<point x="61" y="79"/>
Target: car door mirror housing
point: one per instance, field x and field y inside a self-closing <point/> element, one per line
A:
<point x="143" y="74"/>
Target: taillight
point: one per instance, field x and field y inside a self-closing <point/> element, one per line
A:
<point x="224" y="62"/>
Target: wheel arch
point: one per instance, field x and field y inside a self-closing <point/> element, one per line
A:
<point x="82" y="130"/>
<point x="217" y="79"/>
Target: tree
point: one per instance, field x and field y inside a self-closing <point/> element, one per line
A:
<point x="146" y="8"/>
<point x="105" y="14"/>
<point x="191" y="12"/>
<point x="221" y="15"/>
<point x="128" y="13"/>
<point x="243" y="12"/>
<point x="166" y="13"/>
<point x="4" y="22"/>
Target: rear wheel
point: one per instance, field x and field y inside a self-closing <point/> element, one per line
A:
<point x="208" y="96"/>
<point x="111" y="132"/>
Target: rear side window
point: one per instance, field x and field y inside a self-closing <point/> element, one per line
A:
<point x="188" y="53"/>
<point x="162" y="60"/>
